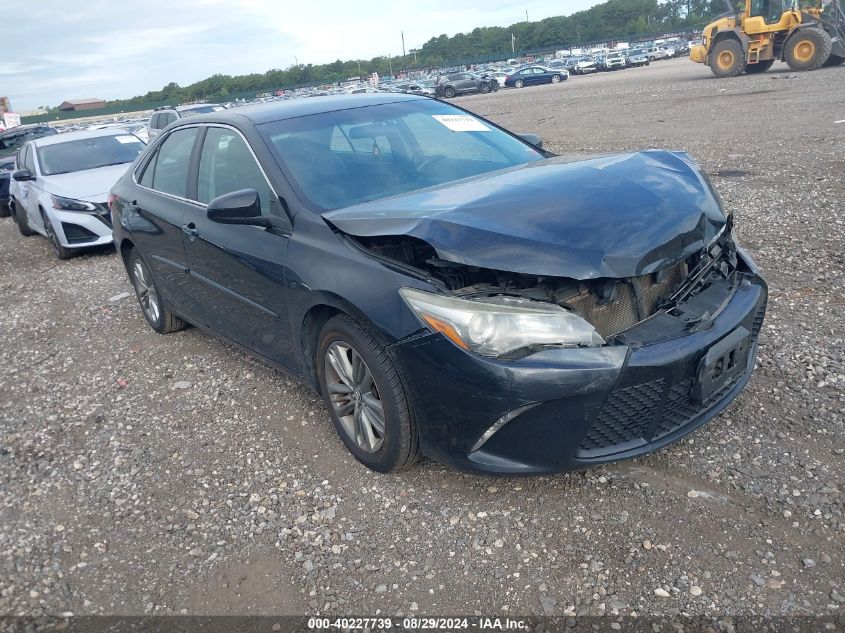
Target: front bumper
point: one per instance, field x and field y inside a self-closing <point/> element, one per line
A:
<point x="77" y="229"/>
<point x="575" y="407"/>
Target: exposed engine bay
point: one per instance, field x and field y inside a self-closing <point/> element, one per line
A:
<point x="610" y="305"/>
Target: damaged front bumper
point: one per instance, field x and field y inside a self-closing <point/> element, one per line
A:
<point x="561" y="409"/>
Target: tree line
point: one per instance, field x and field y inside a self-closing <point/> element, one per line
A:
<point x="608" y="21"/>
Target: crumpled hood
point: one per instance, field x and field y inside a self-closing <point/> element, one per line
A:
<point x="92" y="184"/>
<point x="609" y="216"/>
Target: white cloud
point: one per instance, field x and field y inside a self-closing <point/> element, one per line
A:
<point x="111" y="50"/>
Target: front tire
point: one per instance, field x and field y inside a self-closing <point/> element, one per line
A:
<point x="62" y="252"/>
<point x="149" y="297"/>
<point x="20" y="219"/>
<point x="449" y="92"/>
<point x="365" y="396"/>
<point x="485" y="88"/>
<point x="759" y="67"/>
<point x="808" y="49"/>
<point x="727" y="59"/>
<point x="519" y="83"/>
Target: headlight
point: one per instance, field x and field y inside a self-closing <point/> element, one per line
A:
<point x="68" y="204"/>
<point x="500" y="325"/>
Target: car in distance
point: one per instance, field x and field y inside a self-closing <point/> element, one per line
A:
<point x="581" y="65"/>
<point x="463" y="83"/>
<point x="61" y="187"/>
<point x="164" y="116"/>
<point x="449" y="288"/>
<point x="657" y="52"/>
<point x="11" y="141"/>
<point x="614" y="61"/>
<point x="636" y="57"/>
<point x="535" y="75"/>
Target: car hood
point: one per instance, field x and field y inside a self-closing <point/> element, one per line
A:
<point x="91" y="184"/>
<point x="608" y="216"/>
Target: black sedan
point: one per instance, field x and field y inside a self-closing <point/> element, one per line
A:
<point x="534" y="75"/>
<point x="448" y="287"/>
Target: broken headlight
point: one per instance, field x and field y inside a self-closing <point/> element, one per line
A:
<point x="499" y="325"/>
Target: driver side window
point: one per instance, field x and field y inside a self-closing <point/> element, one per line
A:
<point x="227" y="165"/>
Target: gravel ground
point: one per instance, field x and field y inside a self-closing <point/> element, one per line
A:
<point x="173" y="474"/>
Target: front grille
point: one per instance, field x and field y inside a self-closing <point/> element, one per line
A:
<point x="648" y="411"/>
<point x="622" y="312"/>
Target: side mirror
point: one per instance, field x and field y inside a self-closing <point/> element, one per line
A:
<point x="238" y="207"/>
<point x="22" y="175"/>
<point x="535" y="140"/>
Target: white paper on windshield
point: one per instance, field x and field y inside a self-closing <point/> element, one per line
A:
<point x="461" y="122"/>
<point x="126" y="138"/>
<point x="218" y="108"/>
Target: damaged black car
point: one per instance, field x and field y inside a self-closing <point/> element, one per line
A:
<point x="450" y="288"/>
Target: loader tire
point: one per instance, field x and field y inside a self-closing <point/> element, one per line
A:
<point x="759" y="67"/>
<point x="727" y="59"/>
<point x="808" y="49"/>
<point x="834" y="60"/>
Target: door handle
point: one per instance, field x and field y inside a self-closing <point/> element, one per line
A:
<point x="190" y="230"/>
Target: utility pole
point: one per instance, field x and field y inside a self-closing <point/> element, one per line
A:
<point x="513" y="45"/>
<point x="359" y="66"/>
<point x="526" y="15"/>
<point x="402" y="33"/>
<point x="390" y="63"/>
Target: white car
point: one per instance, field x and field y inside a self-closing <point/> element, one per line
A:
<point x="62" y="184"/>
<point x="657" y="52"/>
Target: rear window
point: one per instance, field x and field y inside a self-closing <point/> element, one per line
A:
<point x="88" y="153"/>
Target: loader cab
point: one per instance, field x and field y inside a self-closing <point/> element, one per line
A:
<point x="769" y="16"/>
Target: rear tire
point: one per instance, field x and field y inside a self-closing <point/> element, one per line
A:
<point x="21" y="221"/>
<point x="808" y="49"/>
<point x="834" y="60"/>
<point x="365" y="396"/>
<point x="727" y="59"/>
<point x="759" y="67"/>
<point x="556" y="79"/>
<point x="149" y="297"/>
<point x="519" y="83"/>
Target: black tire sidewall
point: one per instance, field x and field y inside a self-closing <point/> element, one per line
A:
<point x="821" y="41"/>
<point x="135" y="256"/>
<point x="21" y="221"/>
<point x="449" y="93"/>
<point x="393" y="453"/>
<point x="736" y="48"/>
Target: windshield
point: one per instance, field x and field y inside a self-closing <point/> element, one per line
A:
<point x="350" y="156"/>
<point x="88" y="153"/>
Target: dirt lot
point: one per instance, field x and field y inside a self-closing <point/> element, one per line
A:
<point x="172" y="474"/>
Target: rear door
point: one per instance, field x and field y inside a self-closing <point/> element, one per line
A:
<point x="28" y="194"/>
<point x="155" y="219"/>
<point x="239" y="270"/>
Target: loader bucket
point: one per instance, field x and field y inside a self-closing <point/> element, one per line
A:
<point x="833" y="21"/>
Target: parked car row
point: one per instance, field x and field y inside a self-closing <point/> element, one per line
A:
<point x="368" y="246"/>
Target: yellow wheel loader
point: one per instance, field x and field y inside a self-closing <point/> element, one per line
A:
<point x="770" y="30"/>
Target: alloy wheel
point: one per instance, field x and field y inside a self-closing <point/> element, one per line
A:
<point x="354" y="396"/>
<point x="144" y="288"/>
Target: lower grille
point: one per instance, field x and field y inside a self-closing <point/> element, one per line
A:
<point x="648" y="411"/>
<point x="626" y="416"/>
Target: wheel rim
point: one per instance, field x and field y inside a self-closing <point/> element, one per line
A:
<point x="147" y="296"/>
<point x="519" y="84"/>
<point x="354" y="396"/>
<point x="805" y="50"/>
<point x="725" y="60"/>
<point x="51" y="234"/>
<point x="555" y="79"/>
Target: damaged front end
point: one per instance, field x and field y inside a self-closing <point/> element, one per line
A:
<point x="612" y="306"/>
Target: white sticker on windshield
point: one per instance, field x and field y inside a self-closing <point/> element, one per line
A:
<point x="217" y="108"/>
<point x="126" y="138"/>
<point x="461" y="122"/>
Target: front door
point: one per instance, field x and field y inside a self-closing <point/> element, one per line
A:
<point x="239" y="270"/>
<point x="155" y="221"/>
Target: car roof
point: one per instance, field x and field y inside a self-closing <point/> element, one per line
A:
<point x="20" y="129"/>
<point x="278" y="110"/>
<point x="81" y="134"/>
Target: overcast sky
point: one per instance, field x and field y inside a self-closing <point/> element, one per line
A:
<point x="54" y="51"/>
